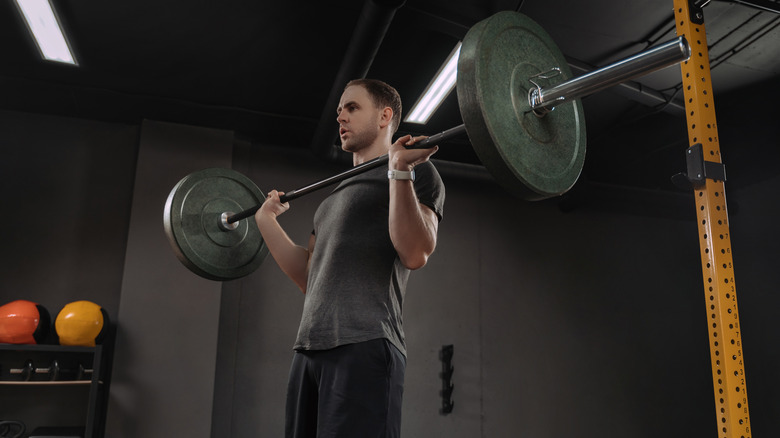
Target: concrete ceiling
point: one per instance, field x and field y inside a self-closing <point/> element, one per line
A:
<point x="269" y="70"/>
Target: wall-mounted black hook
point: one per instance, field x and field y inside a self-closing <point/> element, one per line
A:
<point x="445" y="356"/>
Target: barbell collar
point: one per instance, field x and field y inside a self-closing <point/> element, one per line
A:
<point x="543" y="99"/>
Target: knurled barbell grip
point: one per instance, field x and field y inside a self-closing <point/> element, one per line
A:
<point x="368" y="165"/>
<point x="440" y="137"/>
<point x="293" y="194"/>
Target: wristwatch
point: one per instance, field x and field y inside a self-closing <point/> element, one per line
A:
<point x="401" y="174"/>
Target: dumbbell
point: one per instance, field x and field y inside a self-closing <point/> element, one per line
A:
<point x="54" y="371"/>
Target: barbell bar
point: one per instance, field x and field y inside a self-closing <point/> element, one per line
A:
<point x="531" y="150"/>
<point x="227" y="220"/>
<point x="541" y="100"/>
<point x="544" y="99"/>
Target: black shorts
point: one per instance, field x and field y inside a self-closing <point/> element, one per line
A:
<point x="354" y="390"/>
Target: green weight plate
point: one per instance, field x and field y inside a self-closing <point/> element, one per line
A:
<point x="192" y="223"/>
<point x="532" y="157"/>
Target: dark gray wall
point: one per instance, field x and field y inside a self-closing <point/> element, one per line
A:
<point x="755" y="242"/>
<point x="66" y="189"/>
<point x="163" y="381"/>
<point x="66" y="186"/>
<point x="564" y="324"/>
<point x="586" y="323"/>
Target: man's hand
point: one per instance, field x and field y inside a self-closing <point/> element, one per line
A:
<point x="291" y="258"/>
<point x="400" y="158"/>
<point x="272" y="206"/>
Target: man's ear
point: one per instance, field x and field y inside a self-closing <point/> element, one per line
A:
<point x="386" y="117"/>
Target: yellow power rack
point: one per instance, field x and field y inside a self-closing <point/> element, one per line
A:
<point x="708" y="175"/>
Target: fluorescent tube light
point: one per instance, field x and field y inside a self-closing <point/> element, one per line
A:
<point x="45" y="28"/>
<point x="437" y="90"/>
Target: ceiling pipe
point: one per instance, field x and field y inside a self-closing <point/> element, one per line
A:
<point x="763" y="5"/>
<point x="372" y="25"/>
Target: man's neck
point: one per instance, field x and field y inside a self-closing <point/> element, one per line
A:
<point x="376" y="149"/>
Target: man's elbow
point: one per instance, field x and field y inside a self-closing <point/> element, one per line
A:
<point x="416" y="261"/>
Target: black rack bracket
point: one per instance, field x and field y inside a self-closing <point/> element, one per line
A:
<point x="698" y="169"/>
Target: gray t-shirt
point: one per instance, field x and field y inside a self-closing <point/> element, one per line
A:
<point x="356" y="282"/>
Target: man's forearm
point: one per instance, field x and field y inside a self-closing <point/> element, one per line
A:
<point x="292" y="259"/>
<point x="413" y="226"/>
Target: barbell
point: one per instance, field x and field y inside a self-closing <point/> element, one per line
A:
<point x="521" y="112"/>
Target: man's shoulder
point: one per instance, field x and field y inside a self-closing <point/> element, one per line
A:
<point x="428" y="170"/>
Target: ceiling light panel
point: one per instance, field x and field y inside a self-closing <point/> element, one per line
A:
<point x="439" y="88"/>
<point x="46" y="30"/>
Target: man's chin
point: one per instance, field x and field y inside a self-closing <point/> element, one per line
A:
<point x="348" y="147"/>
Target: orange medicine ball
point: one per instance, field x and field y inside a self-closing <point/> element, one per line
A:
<point x="81" y="323"/>
<point x="23" y="322"/>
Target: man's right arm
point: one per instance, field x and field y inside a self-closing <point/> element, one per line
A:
<point x="292" y="259"/>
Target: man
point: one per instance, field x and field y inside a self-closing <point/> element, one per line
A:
<point x="346" y="379"/>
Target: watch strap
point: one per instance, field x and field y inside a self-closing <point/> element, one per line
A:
<point x="401" y="174"/>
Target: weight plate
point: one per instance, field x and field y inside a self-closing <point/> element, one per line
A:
<point x="532" y="157"/>
<point x="192" y="224"/>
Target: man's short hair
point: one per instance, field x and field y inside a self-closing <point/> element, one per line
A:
<point x="383" y="95"/>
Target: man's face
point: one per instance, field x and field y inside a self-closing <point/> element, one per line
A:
<point x="358" y="119"/>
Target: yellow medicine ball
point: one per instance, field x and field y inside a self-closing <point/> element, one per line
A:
<point x="81" y="323"/>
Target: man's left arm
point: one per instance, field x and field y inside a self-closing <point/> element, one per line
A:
<point x="413" y="226"/>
